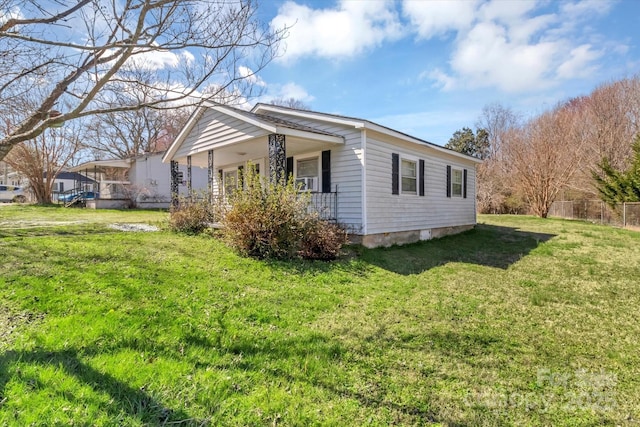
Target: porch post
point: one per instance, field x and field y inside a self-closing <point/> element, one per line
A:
<point x="189" y="175"/>
<point x="174" y="183"/>
<point x="210" y="175"/>
<point x="277" y="158"/>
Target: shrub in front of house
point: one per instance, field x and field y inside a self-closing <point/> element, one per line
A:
<point x="192" y="215"/>
<point x="323" y="241"/>
<point x="268" y="220"/>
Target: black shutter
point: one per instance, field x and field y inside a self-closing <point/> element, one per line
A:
<point x="395" y="173"/>
<point x="240" y="176"/>
<point x="448" y="180"/>
<point x="421" y="177"/>
<point x="326" y="171"/>
<point x="464" y="184"/>
<point x="289" y="169"/>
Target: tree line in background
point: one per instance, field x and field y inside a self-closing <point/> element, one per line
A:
<point x="582" y="148"/>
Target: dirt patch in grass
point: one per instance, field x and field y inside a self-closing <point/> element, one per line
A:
<point x="11" y="320"/>
<point x="37" y="223"/>
<point x="134" y="227"/>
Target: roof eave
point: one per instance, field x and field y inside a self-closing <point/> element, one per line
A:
<point x="233" y="113"/>
<point x="409" y="138"/>
<point x="195" y="116"/>
<point x="310" y="135"/>
<point x="358" y="124"/>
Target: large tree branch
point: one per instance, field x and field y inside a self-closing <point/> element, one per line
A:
<point x="62" y="15"/>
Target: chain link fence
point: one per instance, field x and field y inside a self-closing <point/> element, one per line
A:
<point x="624" y="215"/>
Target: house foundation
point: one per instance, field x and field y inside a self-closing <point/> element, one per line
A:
<point x="405" y="237"/>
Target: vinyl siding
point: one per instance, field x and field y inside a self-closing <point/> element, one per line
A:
<point x="225" y="129"/>
<point x="405" y="212"/>
<point x="346" y="167"/>
<point x="151" y="177"/>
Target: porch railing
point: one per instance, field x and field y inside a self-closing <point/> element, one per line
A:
<point x="324" y="204"/>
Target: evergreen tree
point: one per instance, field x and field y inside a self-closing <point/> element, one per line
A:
<point x="466" y="142"/>
<point x="619" y="186"/>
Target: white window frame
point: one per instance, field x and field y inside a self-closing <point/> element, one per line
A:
<point x="257" y="163"/>
<point x="453" y="181"/>
<point x="311" y="156"/>
<point x="413" y="160"/>
<point x="225" y="185"/>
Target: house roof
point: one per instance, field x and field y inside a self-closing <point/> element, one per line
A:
<point x="269" y="123"/>
<point x="358" y="124"/>
<point x="259" y="116"/>
<point x="282" y="122"/>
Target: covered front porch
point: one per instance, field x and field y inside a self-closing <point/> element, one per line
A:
<point x="112" y="183"/>
<point x="227" y="141"/>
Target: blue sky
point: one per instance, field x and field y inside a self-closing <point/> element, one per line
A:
<point x="428" y="67"/>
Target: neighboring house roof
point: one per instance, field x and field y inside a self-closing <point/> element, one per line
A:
<point x="98" y="164"/>
<point x="73" y="176"/>
<point x="112" y="163"/>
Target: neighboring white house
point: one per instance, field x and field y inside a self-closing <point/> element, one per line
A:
<point x="144" y="180"/>
<point x="70" y="181"/>
<point x="383" y="185"/>
<point x="64" y="181"/>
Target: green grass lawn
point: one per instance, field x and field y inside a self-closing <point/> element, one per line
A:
<point x="519" y="322"/>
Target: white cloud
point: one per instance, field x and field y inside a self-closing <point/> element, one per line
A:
<point x="509" y="47"/>
<point x="13" y="13"/>
<point x="344" y="31"/>
<point x="514" y="46"/>
<point x="249" y="75"/>
<point x="440" y="78"/>
<point x="432" y="18"/>
<point x="158" y="59"/>
<point x="295" y="91"/>
<point x="586" y="8"/>
<point x="286" y="91"/>
<point x="579" y="63"/>
<point x="507" y="12"/>
<point x="486" y="57"/>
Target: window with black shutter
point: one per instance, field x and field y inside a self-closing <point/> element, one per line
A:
<point x="395" y="173"/>
<point x="326" y="171"/>
<point x="421" y="177"/>
<point x="464" y="184"/>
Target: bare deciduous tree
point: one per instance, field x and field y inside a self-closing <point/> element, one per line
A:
<point x="494" y="192"/>
<point x="41" y="159"/>
<point x="83" y="54"/>
<point x="544" y="155"/>
<point x="290" y="103"/>
<point x="125" y="134"/>
<point x="498" y="121"/>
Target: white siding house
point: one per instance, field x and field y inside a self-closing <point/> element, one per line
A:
<point x="386" y="187"/>
<point x="143" y="181"/>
